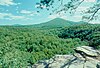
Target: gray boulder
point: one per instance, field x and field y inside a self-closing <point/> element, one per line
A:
<point x="85" y="57"/>
<point x="89" y="51"/>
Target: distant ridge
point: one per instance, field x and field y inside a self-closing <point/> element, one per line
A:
<point x="16" y="25"/>
<point x="57" y="22"/>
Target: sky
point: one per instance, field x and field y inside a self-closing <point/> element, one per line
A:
<point x="24" y="12"/>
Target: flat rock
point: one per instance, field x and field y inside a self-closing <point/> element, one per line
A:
<point x="77" y="60"/>
<point x="87" y="50"/>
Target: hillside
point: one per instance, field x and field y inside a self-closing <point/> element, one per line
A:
<point x="24" y="46"/>
<point x="57" y="22"/>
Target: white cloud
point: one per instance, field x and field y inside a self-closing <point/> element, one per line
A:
<point x="81" y="8"/>
<point x="53" y="16"/>
<point x="7" y="2"/>
<point x="30" y="13"/>
<point x="60" y="15"/>
<point x="25" y="12"/>
<point x="90" y="1"/>
<point x="10" y="16"/>
<point x="75" y="18"/>
<point x="57" y="16"/>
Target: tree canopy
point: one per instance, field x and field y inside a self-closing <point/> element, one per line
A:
<point x="22" y="46"/>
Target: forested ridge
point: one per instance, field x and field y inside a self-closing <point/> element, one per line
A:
<point x="23" y="46"/>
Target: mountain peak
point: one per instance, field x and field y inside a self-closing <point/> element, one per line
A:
<point x="58" y="18"/>
<point x="57" y="22"/>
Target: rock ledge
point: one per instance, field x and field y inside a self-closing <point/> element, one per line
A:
<point x="85" y="57"/>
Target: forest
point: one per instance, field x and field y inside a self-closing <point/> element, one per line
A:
<point x="22" y="46"/>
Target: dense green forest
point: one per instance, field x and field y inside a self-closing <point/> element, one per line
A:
<point x="23" y="46"/>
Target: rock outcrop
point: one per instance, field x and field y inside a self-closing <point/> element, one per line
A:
<point x="85" y="57"/>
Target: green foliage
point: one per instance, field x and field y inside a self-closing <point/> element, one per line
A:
<point x="87" y="32"/>
<point x="22" y="46"/>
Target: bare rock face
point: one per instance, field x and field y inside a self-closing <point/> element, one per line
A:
<point x="60" y="61"/>
<point x="87" y="51"/>
<point x="85" y="57"/>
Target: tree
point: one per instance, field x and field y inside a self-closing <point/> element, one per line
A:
<point x="91" y="13"/>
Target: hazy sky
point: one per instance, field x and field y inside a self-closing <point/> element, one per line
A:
<point x="25" y="12"/>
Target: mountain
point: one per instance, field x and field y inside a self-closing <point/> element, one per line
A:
<point x="16" y="25"/>
<point x="57" y="22"/>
